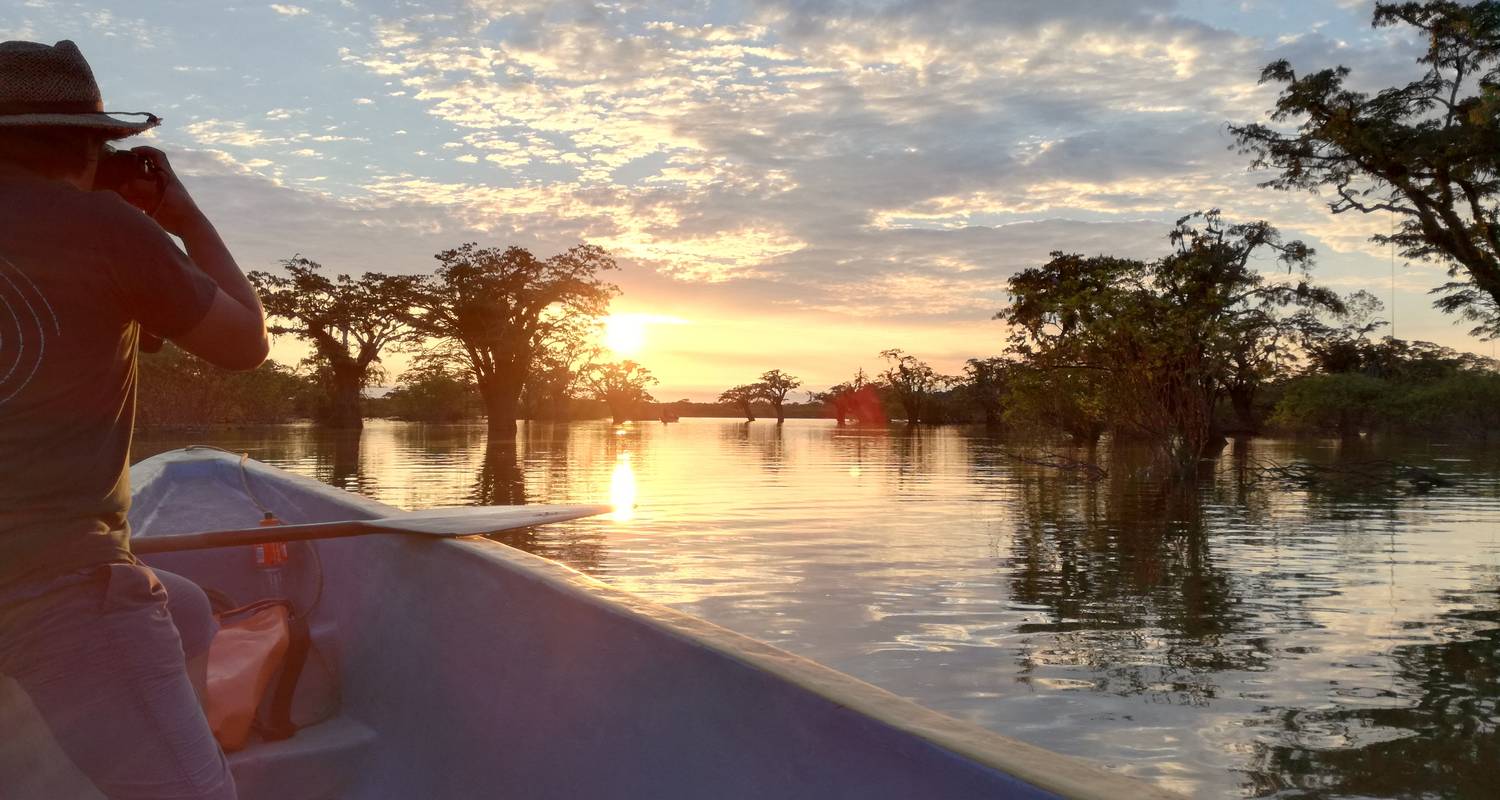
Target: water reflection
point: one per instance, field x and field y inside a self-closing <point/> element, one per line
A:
<point x="1242" y="638"/>
<point x="622" y="489"/>
<point x="501" y="481"/>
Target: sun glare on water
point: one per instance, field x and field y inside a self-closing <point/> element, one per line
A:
<point x="622" y="489"/>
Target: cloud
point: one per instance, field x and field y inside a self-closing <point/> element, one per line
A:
<point x="288" y="10"/>
<point x="872" y="159"/>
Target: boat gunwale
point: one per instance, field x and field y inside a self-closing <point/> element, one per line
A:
<point x="1065" y="775"/>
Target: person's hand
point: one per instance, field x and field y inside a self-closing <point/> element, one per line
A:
<point x="174" y="208"/>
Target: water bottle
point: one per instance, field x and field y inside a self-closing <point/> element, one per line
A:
<point x="270" y="561"/>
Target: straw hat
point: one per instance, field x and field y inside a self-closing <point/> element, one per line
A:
<point x="52" y="86"/>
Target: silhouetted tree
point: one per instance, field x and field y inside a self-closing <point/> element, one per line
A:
<point x="741" y="397"/>
<point x="560" y="367"/>
<point x="622" y="387"/>
<point x="985" y="381"/>
<point x="432" y="390"/>
<point x="912" y="382"/>
<point x="1427" y="152"/>
<point x="774" y="386"/>
<point x="348" y="321"/>
<point x="178" y="388"/>
<point x="1162" y="334"/>
<point x="500" y="306"/>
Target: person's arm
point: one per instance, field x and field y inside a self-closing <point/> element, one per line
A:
<point x="232" y="334"/>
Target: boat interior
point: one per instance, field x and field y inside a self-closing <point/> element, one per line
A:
<point x="461" y="668"/>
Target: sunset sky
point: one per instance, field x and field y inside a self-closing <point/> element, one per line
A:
<point x="793" y="184"/>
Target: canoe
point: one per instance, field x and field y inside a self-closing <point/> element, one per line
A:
<point x="463" y="668"/>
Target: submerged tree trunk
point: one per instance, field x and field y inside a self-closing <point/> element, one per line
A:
<point x="749" y="415"/>
<point x="344" y="407"/>
<point x="501" y="402"/>
<point x="1242" y="398"/>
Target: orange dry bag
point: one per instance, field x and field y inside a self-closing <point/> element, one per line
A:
<point x="242" y="659"/>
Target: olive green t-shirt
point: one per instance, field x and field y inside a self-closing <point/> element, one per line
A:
<point x="81" y="273"/>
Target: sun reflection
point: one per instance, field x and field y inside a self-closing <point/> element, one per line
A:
<point x="622" y="489"/>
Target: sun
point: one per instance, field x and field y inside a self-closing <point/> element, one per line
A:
<point x="625" y="334"/>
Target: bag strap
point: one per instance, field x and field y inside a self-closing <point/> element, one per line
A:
<point x="280" y="725"/>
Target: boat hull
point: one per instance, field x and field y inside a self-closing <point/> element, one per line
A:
<point x="482" y="671"/>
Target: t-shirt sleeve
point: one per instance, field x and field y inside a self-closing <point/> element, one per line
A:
<point x="159" y="285"/>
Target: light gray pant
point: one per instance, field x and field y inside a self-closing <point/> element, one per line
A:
<point x="99" y="654"/>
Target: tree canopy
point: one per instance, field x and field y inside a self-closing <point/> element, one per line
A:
<point x="622" y="386"/>
<point x="499" y="307"/>
<point x="1168" y="336"/>
<point x="773" y="387"/>
<point x="1427" y="152"/>
<point x="348" y="321"/>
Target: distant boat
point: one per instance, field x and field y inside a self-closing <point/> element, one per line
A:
<point x="447" y="668"/>
<point x="669" y="416"/>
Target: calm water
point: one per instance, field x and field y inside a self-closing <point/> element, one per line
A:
<point x="1241" y="639"/>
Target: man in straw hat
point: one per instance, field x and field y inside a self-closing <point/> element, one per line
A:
<point x="85" y="630"/>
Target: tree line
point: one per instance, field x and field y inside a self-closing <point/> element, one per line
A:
<point x="1173" y="352"/>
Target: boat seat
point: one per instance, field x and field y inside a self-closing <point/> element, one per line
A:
<point x="319" y="763"/>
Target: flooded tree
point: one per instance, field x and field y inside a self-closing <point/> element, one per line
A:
<point x="741" y="397"/>
<point x="560" y="368"/>
<point x="774" y="386"/>
<point x="912" y="382"/>
<point x="499" y="307"/>
<point x="621" y="386"/>
<point x="1425" y="152"/>
<point x="348" y="321"/>
<point x="1160" y="337"/>
<point x="433" y="390"/>
<point x="985" y="381"/>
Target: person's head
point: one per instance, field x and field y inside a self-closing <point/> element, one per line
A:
<point x="52" y="118"/>
<point x="66" y="154"/>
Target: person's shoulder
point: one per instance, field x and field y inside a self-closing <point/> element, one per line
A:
<point x="111" y="216"/>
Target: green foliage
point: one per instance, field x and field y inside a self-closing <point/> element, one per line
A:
<point x="1427" y="152"/>
<point x="178" y="388"/>
<point x="984" y="384"/>
<point x="433" y="391"/>
<point x="1344" y="404"/>
<point x="1465" y="404"/>
<point x="1152" y="346"/>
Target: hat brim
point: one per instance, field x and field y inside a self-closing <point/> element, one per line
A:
<point x="112" y="127"/>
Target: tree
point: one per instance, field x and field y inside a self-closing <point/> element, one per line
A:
<point x="621" y="386"/>
<point x="1165" y="335"/>
<point x="986" y="382"/>
<point x="858" y="397"/>
<point x="431" y="390"/>
<point x="1345" y="404"/>
<point x="912" y="381"/>
<point x="348" y="321"/>
<point x="1427" y="152"/>
<point x="500" y="306"/>
<point x="741" y="397"/>
<point x="178" y="388"/>
<point x="560" y="367"/>
<point x="773" y="387"/>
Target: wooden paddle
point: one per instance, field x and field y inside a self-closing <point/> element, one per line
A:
<point x="443" y="523"/>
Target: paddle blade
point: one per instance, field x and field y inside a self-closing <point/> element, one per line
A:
<point x="472" y="520"/>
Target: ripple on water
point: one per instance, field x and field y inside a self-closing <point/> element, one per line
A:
<point x="1239" y="638"/>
